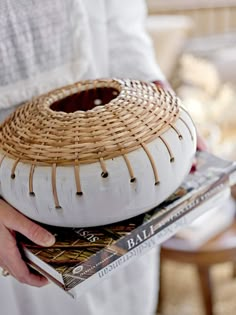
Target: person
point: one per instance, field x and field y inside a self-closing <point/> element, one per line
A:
<point x="45" y="45"/>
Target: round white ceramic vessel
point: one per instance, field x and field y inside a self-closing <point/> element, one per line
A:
<point x="104" y="200"/>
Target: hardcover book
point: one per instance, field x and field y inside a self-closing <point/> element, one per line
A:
<point x="82" y="257"/>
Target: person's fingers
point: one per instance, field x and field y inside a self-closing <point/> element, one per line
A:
<point x="11" y="260"/>
<point x="165" y="85"/>
<point x="21" y="272"/>
<point x="194" y="166"/>
<point x="10" y="257"/>
<point x="16" y="221"/>
<point x="201" y="143"/>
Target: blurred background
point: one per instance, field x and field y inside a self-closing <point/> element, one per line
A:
<point x="195" y="45"/>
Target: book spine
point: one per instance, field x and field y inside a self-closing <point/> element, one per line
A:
<point x="171" y="228"/>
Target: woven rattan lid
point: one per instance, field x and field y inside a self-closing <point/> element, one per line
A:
<point x="88" y="121"/>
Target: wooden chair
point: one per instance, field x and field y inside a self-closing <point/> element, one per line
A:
<point x="219" y="249"/>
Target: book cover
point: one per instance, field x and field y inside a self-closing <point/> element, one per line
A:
<point x="82" y="256"/>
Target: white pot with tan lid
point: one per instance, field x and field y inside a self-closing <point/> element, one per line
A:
<point x="95" y="152"/>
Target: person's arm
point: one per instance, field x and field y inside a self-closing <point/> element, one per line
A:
<point x="12" y="221"/>
<point x="131" y="53"/>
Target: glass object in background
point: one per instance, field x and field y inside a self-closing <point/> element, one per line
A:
<point x="210" y="102"/>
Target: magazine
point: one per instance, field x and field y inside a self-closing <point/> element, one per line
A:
<point x="82" y="257"/>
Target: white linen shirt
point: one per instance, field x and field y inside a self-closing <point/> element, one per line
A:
<point x="48" y="44"/>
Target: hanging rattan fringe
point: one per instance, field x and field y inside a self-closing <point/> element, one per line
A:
<point x="139" y="113"/>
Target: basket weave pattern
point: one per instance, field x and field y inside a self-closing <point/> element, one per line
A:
<point x="138" y="114"/>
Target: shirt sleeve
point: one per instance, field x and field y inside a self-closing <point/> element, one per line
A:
<point x="131" y="54"/>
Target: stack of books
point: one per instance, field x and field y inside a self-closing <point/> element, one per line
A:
<point x="82" y="257"/>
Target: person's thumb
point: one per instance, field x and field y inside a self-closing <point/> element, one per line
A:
<point x="36" y="233"/>
<point x="18" y="222"/>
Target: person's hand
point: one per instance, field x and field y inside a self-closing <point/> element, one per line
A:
<point x="165" y="85"/>
<point x="201" y="146"/>
<point x="12" y="221"/>
<point x="201" y="143"/>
